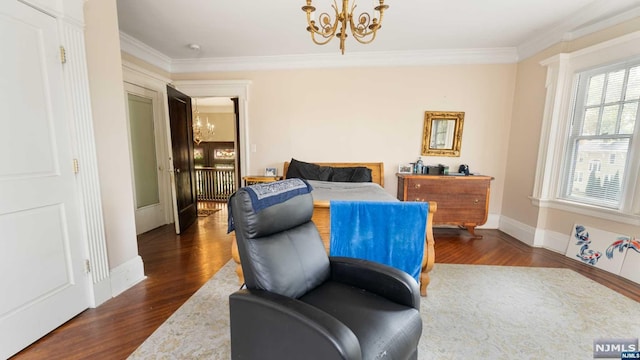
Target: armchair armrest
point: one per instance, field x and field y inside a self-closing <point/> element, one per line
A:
<point x="383" y="280"/>
<point x="266" y="326"/>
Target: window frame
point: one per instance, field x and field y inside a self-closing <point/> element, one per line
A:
<point x="562" y="86"/>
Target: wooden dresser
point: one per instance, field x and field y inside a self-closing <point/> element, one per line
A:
<point x="462" y="200"/>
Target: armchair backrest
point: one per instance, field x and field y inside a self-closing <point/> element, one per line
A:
<point x="280" y="248"/>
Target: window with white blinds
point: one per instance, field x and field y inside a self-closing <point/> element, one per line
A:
<point x="601" y="139"/>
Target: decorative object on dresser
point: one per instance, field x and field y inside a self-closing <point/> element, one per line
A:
<point x="462" y="200"/>
<point x="442" y="133"/>
<point x="405" y="168"/>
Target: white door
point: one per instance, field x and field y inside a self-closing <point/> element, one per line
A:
<point x="146" y="140"/>
<point x="42" y="279"/>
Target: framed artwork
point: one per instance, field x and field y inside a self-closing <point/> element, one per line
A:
<point x="270" y="172"/>
<point x="405" y="169"/>
<point x="198" y="153"/>
<point x="224" y="154"/>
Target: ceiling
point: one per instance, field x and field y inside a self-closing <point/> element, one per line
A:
<point x="232" y="32"/>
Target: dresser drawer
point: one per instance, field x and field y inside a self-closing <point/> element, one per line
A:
<point x="462" y="200"/>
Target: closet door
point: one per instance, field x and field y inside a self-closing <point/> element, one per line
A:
<point x="43" y="280"/>
<point x="146" y="140"/>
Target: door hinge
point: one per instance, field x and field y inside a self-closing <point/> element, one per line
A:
<point x="76" y="168"/>
<point x="63" y="55"/>
<point x="87" y="266"/>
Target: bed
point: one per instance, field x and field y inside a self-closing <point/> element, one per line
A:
<point x="324" y="192"/>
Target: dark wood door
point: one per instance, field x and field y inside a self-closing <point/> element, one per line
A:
<point x="183" y="163"/>
<point x="236" y="110"/>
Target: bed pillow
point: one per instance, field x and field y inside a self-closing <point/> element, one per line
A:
<point x="351" y="174"/>
<point x="305" y="170"/>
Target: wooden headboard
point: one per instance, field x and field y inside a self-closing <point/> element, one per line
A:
<point x="377" y="169"/>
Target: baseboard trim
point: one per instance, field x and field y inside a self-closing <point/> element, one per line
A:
<point x="101" y="293"/>
<point x="531" y="236"/>
<point x="126" y="275"/>
<point x="493" y="222"/>
<point x="555" y="241"/>
<point x="519" y="230"/>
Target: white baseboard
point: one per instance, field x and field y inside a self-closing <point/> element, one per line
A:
<point x="127" y="275"/>
<point x="493" y="222"/>
<point x="518" y="230"/>
<point x="556" y="241"/>
<point x="531" y="236"/>
<point x="101" y="293"/>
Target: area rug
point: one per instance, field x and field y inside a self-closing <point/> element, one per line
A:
<point x="472" y="312"/>
<point x="206" y="212"/>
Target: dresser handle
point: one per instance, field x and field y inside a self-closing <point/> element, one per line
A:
<point x="417" y="186"/>
<point x="476" y="201"/>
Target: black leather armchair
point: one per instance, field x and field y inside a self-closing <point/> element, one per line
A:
<point x="301" y="304"/>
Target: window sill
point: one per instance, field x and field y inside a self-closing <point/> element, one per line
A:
<point x="588" y="210"/>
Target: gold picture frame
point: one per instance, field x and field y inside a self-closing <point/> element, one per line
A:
<point x="442" y="133"/>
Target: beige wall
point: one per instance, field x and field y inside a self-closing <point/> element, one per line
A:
<point x="528" y="107"/>
<point x="377" y="114"/>
<point x="109" y="119"/>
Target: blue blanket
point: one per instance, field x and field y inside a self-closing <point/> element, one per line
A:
<point x="263" y="195"/>
<point x="391" y="233"/>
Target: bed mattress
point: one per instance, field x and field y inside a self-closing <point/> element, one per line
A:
<point x="347" y="191"/>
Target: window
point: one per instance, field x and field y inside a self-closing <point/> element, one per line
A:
<point x="594" y="165"/>
<point x="578" y="177"/>
<point x="603" y="123"/>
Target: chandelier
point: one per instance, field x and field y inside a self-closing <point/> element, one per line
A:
<point x="201" y="130"/>
<point x="363" y="30"/>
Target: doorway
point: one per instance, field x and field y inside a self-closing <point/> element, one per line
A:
<point x="238" y="91"/>
<point x="215" y="151"/>
<point x="148" y="157"/>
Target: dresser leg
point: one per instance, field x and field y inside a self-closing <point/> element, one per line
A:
<point x="472" y="231"/>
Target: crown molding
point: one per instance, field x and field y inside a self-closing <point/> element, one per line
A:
<point x="601" y="25"/>
<point x="142" y="51"/>
<point x="577" y="26"/>
<point x="363" y="59"/>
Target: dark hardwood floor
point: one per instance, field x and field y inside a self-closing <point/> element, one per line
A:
<point x="177" y="266"/>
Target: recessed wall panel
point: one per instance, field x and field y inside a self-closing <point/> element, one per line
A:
<point x="34" y="260"/>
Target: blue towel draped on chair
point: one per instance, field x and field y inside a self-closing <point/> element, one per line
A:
<point x="392" y="233"/>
